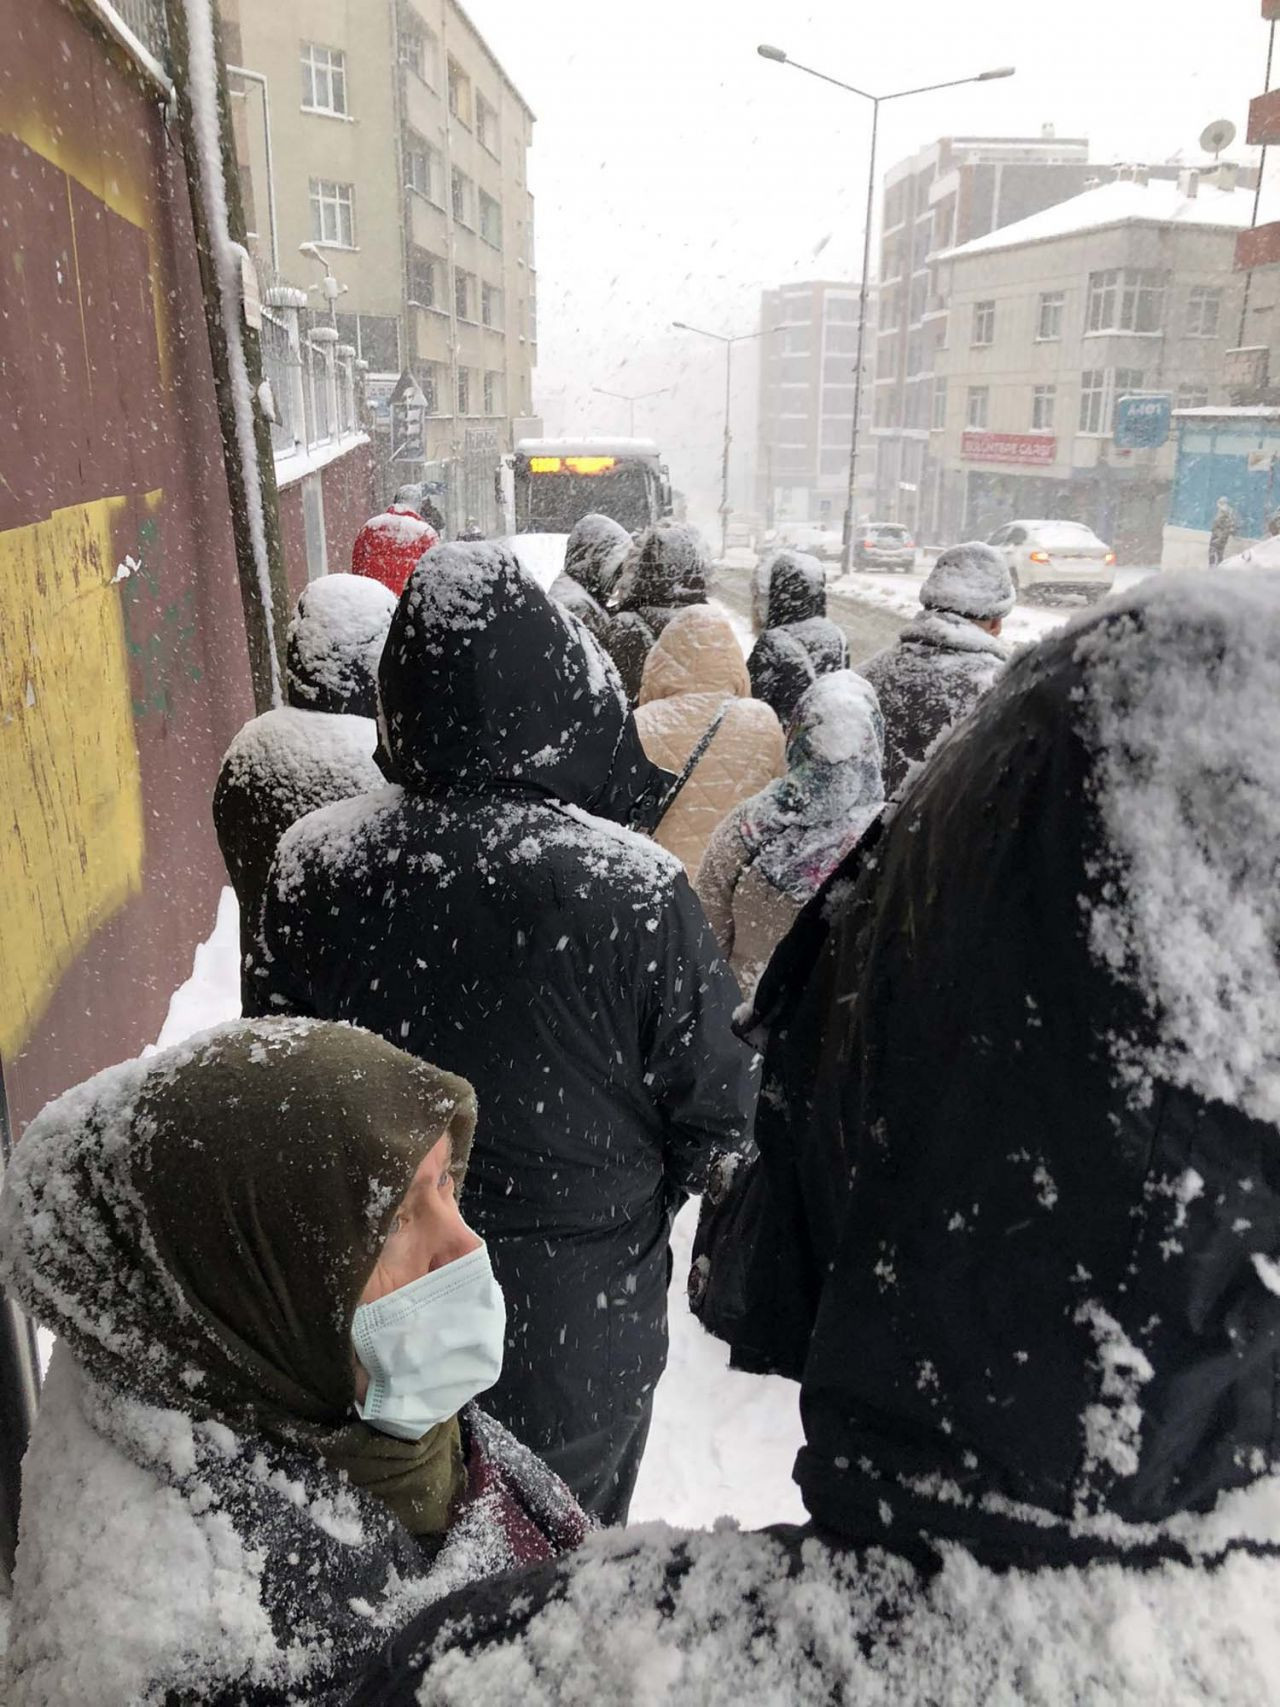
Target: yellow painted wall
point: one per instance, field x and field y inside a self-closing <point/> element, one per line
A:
<point x="70" y="787"/>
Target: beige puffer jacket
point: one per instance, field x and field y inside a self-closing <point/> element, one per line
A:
<point x="694" y="666"/>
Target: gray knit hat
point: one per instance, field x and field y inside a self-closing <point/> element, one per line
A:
<point x="970" y="580"/>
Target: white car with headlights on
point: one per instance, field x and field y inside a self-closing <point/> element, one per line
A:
<point x="1056" y="557"/>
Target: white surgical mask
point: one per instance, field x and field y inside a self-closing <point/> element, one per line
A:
<point x="431" y="1346"/>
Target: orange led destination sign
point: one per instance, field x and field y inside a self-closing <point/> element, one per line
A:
<point x="572" y="464"/>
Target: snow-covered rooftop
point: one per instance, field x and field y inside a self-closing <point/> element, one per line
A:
<point x="1125" y="202"/>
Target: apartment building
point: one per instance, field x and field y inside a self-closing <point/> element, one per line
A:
<point x="1123" y="290"/>
<point x="805" y="419"/>
<point x="384" y="144"/>
<point x="946" y="194"/>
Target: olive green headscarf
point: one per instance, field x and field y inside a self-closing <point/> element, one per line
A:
<point x="230" y="1210"/>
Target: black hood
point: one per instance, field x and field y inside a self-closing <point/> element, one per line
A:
<point x="594" y="554"/>
<point x="486" y="683"/>
<point x="797" y="588"/>
<point x="667" y="566"/>
<point x="335" y="641"/>
<point x="1052" y="1322"/>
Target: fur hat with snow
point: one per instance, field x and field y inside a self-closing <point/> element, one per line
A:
<point x="970" y="580"/>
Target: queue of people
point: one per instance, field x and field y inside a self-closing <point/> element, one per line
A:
<point x="1002" y="1206"/>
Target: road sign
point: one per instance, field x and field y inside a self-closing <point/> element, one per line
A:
<point x="1142" y="423"/>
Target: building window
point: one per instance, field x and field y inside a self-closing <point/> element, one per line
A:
<point x="490" y="220"/>
<point x="418" y="51"/>
<point x="1204" y="309"/>
<point x="464" y="391"/>
<point x="1043" y="398"/>
<point x="1127" y="299"/>
<point x="462" y="194"/>
<point x="984" y="322"/>
<point x="493" y="393"/>
<point x="424" y="278"/>
<point x="375" y="339"/>
<point x="939" y="405"/>
<point x="428" y="377"/>
<point x="324" y="78"/>
<point x="1192" y="396"/>
<point x="487" y="133"/>
<point x="459" y="95"/>
<point x="975" y="414"/>
<point x="463" y="296"/>
<point x="422" y="167"/>
<point x="1127" y="381"/>
<point x="1049" y="319"/>
<point x="490" y="306"/>
<point x="333" y="213"/>
<point x="1093" y="391"/>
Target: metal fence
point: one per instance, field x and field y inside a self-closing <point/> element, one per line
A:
<point x="312" y="378"/>
<point x="146" y="19"/>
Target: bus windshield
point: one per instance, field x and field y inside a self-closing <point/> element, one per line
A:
<point x="553" y="502"/>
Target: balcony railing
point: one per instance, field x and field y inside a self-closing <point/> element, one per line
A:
<point x="313" y="377"/>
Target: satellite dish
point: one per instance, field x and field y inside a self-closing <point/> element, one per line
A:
<point x="1217" y="136"/>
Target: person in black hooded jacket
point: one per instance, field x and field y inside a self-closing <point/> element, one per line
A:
<point x="799" y="642"/>
<point x="1040" y="1392"/>
<point x="480" y="914"/>
<point x="318" y="747"/>
<point x="593" y="557"/>
<point x="666" y="569"/>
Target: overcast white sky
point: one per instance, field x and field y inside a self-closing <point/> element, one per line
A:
<point x="676" y="173"/>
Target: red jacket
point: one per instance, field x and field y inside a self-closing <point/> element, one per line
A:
<point x="388" y="547"/>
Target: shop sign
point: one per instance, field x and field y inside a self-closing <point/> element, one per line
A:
<point x="1033" y="450"/>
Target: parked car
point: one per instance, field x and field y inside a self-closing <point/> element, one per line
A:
<point x="1057" y="556"/>
<point x="883" y="545"/>
<point x="827" y="544"/>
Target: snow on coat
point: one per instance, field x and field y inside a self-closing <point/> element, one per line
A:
<point x="666" y="569"/>
<point x="593" y="557"/>
<point x="1054" y="1318"/>
<point x="318" y="748"/>
<point x="799" y="642"/>
<point x="773" y="852"/>
<point x="176" y="1543"/>
<point x="388" y="547"/>
<point x="481" y="917"/>
<point x="933" y="675"/>
<point x="694" y="668"/>
<point x="722" y="1619"/>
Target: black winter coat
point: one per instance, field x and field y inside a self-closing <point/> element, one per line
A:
<point x="316" y="749"/>
<point x="480" y="916"/>
<point x="935" y="673"/>
<point x="1029" y="1295"/>
<point x="666" y="570"/>
<point x="799" y="643"/>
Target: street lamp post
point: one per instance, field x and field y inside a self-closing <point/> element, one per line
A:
<point x="728" y="340"/>
<point x="631" y="399"/>
<point x="877" y="101"/>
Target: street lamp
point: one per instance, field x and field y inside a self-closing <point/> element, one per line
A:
<point x="728" y="340"/>
<point x="631" y="399"/>
<point x="778" y="55"/>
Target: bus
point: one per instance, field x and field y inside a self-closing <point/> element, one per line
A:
<point x="558" y="481"/>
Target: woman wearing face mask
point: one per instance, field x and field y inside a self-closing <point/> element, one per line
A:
<point x="255" y="1454"/>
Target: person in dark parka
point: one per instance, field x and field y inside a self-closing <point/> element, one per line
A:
<point x="479" y="914"/>
<point x="946" y="659"/>
<point x="593" y="557"/>
<point x="1039" y="1396"/>
<point x="799" y="642"/>
<point x="666" y="569"/>
<point x="315" y="749"/>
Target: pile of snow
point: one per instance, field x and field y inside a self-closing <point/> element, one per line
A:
<point x="1180" y="709"/>
<point x="1264" y="555"/>
<point x="211" y="995"/>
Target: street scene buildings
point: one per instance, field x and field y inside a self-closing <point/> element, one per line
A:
<point x="385" y="148"/>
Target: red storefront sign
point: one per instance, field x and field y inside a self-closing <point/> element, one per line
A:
<point x="1264" y="118"/>
<point x="1033" y="449"/>
<point x="1259" y="247"/>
